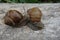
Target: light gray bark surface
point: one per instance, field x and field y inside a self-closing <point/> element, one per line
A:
<point x="50" y="19"/>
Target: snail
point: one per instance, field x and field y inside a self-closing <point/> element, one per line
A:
<point x="13" y="17"/>
<point x="35" y="15"/>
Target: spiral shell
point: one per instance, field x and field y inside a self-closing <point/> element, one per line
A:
<point x="35" y="14"/>
<point x="12" y="17"/>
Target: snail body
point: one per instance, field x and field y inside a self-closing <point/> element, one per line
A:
<point x="12" y="17"/>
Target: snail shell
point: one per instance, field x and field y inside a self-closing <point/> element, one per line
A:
<point x="35" y="14"/>
<point x="12" y="17"/>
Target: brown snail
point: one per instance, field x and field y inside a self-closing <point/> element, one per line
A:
<point x="13" y="17"/>
<point x="35" y="14"/>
